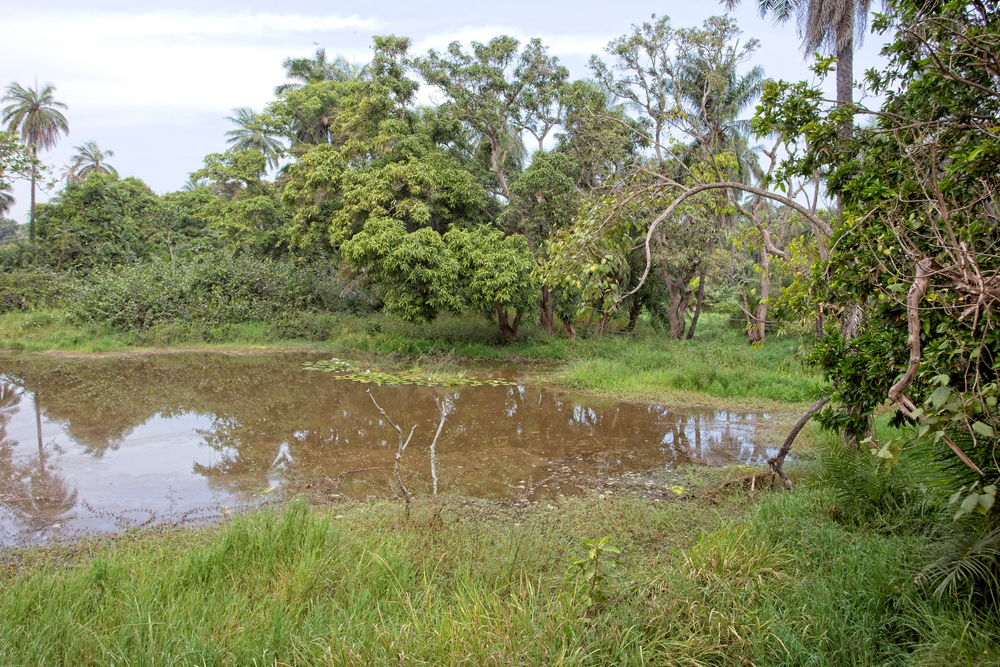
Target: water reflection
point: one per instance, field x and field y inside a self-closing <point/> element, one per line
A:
<point x="173" y="432"/>
<point x="31" y="489"/>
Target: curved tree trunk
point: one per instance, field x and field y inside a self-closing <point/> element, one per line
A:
<point x="509" y="330"/>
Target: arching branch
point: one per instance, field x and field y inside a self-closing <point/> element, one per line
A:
<point x="719" y="185"/>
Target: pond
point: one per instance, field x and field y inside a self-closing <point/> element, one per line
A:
<point x="103" y="443"/>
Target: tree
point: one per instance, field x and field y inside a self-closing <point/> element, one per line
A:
<point x="248" y="208"/>
<point x="34" y="113"/>
<point x="414" y="273"/>
<point x="498" y="90"/>
<point x="252" y="133"/>
<point x="495" y="274"/>
<point x="918" y="187"/>
<point x="832" y="25"/>
<point x="89" y="159"/>
<point x="687" y="88"/>
<point x="100" y="221"/>
<point x="387" y="161"/>
<point x="305" y="71"/>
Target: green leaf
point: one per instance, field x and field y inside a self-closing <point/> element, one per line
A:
<point x="983" y="429"/>
<point x="939" y="396"/>
<point x="970" y="502"/>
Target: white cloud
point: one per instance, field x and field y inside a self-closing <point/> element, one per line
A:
<point x="162" y="62"/>
<point x="560" y="45"/>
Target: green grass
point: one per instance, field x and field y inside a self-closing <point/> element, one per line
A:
<point x="462" y="582"/>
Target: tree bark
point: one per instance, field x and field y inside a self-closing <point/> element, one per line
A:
<point x="697" y="305"/>
<point x="682" y="311"/>
<point x="508" y="330"/>
<point x="568" y="328"/>
<point x="633" y="315"/>
<point x="678" y="291"/>
<point x="545" y="317"/>
<point x="845" y="80"/>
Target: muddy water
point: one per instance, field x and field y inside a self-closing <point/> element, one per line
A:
<point x="99" y="444"/>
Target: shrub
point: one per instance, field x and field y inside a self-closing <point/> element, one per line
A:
<point x="211" y="291"/>
<point x="31" y="289"/>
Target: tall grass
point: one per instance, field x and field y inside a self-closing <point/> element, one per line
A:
<point x="468" y="582"/>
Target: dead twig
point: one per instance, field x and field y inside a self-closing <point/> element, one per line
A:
<point x="399" y="452"/>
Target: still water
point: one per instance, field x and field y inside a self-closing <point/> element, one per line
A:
<point x="100" y="444"/>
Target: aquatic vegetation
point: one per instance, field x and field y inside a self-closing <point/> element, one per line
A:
<point x="346" y="370"/>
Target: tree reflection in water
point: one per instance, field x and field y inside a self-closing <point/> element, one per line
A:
<point x="31" y="490"/>
<point x="266" y="419"/>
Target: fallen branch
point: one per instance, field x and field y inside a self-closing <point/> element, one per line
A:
<point x="399" y="452"/>
<point x="776" y="462"/>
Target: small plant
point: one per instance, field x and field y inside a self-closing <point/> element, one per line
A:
<point x="587" y="575"/>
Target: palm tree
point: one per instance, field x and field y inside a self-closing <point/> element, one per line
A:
<point x="192" y="183"/>
<point x="831" y="25"/>
<point x="35" y="114"/>
<point x="68" y="174"/>
<point x="317" y="70"/>
<point x="251" y="134"/>
<point x="717" y="96"/>
<point x="89" y="159"/>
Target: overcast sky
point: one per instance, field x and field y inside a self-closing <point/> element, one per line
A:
<point x="154" y="81"/>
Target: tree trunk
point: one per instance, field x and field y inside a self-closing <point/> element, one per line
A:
<point x="34" y="171"/>
<point x="508" y="330"/>
<point x="845" y="79"/>
<point x="820" y="322"/>
<point x="545" y="311"/>
<point x="732" y="265"/>
<point x="697" y="305"/>
<point x="679" y="296"/>
<point x="757" y="330"/>
<point x="776" y="463"/>
<point x="682" y="311"/>
<point x="568" y="328"/>
<point x="633" y="314"/>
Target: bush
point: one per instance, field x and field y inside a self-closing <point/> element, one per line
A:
<point x="209" y="292"/>
<point x="23" y="290"/>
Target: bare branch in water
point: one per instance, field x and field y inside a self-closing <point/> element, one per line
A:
<point x="399" y="453"/>
<point x="444" y="414"/>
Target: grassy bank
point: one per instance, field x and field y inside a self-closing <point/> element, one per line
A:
<point x="705" y="581"/>
<point x="717" y="365"/>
